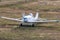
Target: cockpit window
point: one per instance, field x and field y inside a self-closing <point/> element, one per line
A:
<point x="25" y="20"/>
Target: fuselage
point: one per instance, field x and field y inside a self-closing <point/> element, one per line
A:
<point x="28" y="18"/>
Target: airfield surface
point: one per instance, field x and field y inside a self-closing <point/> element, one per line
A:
<point x="9" y="30"/>
<point x="30" y="33"/>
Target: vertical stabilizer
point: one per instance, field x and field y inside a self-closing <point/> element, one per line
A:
<point x="36" y="17"/>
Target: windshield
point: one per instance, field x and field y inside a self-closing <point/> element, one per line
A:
<point x="25" y="20"/>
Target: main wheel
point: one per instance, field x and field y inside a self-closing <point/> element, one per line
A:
<point x="32" y="25"/>
<point x="21" y="24"/>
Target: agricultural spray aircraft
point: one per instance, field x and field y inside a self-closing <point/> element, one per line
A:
<point x="30" y="19"/>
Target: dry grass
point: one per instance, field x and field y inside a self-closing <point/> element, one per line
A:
<point x="29" y="33"/>
<point x="15" y="10"/>
<point x="42" y="32"/>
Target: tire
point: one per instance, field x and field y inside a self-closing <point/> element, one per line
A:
<point x="21" y="24"/>
<point x="32" y="25"/>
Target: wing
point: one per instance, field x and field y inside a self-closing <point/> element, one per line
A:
<point x="10" y="18"/>
<point x="45" y="21"/>
<point x="42" y="20"/>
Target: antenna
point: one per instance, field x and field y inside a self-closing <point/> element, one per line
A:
<point x="23" y="14"/>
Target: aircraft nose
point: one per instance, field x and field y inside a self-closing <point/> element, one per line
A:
<point x="25" y="20"/>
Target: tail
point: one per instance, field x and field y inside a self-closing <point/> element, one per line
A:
<point x="36" y="17"/>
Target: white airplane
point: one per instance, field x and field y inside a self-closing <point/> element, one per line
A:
<point x="30" y="19"/>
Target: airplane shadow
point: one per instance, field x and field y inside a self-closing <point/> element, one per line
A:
<point x="37" y="26"/>
<point x="28" y="27"/>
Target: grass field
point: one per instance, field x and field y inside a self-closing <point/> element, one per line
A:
<point x="39" y="32"/>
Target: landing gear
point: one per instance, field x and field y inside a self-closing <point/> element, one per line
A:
<point x="32" y="25"/>
<point x="21" y="24"/>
